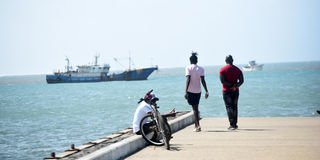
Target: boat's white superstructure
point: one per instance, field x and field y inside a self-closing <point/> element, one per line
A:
<point x="94" y="68"/>
<point x="252" y="66"/>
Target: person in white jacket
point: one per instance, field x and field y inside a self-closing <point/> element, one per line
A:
<point x="142" y="110"/>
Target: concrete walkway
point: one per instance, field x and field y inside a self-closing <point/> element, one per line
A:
<point x="256" y="138"/>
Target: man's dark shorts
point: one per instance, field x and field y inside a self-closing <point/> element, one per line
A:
<point x="193" y="98"/>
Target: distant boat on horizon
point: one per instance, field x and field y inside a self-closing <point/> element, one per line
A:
<point x="252" y="66"/>
<point x="97" y="73"/>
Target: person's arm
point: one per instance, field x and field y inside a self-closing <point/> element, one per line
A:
<point x="169" y="115"/>
<point x="187" y="86"/>
<point x="204" y="84"/>
<point x="240" y="82"/>
<point x="224" y="81"/>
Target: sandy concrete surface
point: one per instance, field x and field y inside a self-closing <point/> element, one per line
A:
<point x="295" y="138"/>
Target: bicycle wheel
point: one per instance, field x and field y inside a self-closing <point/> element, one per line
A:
<point x="150" y="132"/>
<point x="165" y="131"/>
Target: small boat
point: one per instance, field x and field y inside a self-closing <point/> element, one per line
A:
<point x="252" y="66"/>
<point x="97" y="73"/>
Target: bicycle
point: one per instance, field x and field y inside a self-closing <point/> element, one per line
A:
<point x="154" y="127"/>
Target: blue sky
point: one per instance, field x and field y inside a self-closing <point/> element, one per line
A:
<point x="36" y="35"/>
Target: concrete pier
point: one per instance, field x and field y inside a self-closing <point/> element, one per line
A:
<point x="118" y="145"/>
<point x="295" y="138"/>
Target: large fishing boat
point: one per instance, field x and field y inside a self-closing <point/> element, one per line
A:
<point x="97" y="73"/>
<point x="252" y="66"/>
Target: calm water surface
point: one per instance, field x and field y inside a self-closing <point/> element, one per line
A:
<point x="37" y="118"/>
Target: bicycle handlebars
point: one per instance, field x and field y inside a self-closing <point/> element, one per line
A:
<point x="148" y="93"/>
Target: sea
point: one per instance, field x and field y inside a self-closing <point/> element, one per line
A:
<point x="37" y="118"/>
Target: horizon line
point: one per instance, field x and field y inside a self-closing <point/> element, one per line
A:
<point x="40" y="74"/>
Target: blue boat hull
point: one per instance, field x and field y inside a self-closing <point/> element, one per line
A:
<point x="138" y="74"/>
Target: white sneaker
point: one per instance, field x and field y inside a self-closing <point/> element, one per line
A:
<point x="198" y="129"/>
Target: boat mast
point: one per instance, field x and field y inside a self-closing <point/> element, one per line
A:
<point x="68" y="64"/>
<point x="129" y="61"/>
<point x="96" y="59"/>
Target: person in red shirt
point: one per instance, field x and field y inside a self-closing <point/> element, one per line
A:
<point x="231" y="78"/>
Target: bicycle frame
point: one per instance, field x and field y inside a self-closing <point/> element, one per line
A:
<point x="155" y="113"/>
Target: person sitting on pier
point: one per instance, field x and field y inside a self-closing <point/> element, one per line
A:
<point x="144" y="109"/>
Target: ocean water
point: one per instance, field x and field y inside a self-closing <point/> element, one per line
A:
<point x="37" y="118"/>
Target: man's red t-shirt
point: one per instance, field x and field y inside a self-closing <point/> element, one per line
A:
<point x="231" y="74"/>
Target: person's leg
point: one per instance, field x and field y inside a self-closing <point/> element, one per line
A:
<point x="148" y="128"/>
<point x="195" y="109"/>
<point x="235" y="98"/>
<point x="228" y="101"/>
<point x="193" y="100"/>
